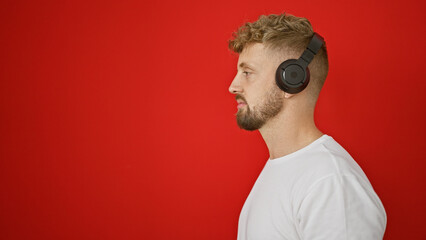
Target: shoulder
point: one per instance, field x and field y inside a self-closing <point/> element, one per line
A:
<point x="338" y="193"/>
<point x="329" y="158"/>
<point x="324" y="165"/>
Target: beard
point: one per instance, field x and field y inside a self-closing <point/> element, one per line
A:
<point x="251" y="118"/>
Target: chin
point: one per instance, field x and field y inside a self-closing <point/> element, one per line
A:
<point x="249" y="124"/>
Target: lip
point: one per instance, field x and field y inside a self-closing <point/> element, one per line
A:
<point x="241" y="104"/>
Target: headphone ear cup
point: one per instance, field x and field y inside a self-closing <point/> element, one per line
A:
<point x="291" y="77"/>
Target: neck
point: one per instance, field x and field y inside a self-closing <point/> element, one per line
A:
<point x="289" y="131"/>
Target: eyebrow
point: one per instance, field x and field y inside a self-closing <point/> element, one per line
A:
<point x="246" y="65"/>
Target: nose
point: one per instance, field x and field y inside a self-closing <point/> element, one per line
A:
<point x="235" y="86"/>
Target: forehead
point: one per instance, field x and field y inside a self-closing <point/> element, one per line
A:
<point x="255" y="54"/>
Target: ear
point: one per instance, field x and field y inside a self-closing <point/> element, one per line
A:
<point x="288" y="95"/>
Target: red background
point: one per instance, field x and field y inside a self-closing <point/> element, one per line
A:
<point x="116" y="121"/>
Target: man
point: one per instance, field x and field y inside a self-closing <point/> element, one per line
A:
<point x="310" y="187"/>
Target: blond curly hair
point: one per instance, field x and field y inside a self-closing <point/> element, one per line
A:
<point x="287" y="33"/>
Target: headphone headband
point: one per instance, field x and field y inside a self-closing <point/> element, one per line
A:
<point x="313" y="47"/>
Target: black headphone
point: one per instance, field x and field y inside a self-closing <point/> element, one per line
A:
<point x="293" y="75"/>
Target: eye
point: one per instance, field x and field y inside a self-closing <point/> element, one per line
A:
<point x="246" y="73"/>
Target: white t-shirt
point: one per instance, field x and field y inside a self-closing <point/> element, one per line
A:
<point x="317" y="192"/>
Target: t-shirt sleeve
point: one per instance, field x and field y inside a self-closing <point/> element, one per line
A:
<point x="341" y="207"/>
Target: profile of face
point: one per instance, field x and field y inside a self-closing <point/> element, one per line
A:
<point x="258" y="97"/>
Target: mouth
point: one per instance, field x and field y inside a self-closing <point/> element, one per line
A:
<point x="241" y="105"/>
<point x="240" y="101"/>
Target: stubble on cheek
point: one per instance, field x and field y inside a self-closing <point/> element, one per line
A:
<point x="254" y="117"/>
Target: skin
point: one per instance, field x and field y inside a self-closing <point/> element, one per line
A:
<point x="293" y="127"/>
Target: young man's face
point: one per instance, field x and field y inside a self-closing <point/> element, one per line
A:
<point x="258" y="97"/>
